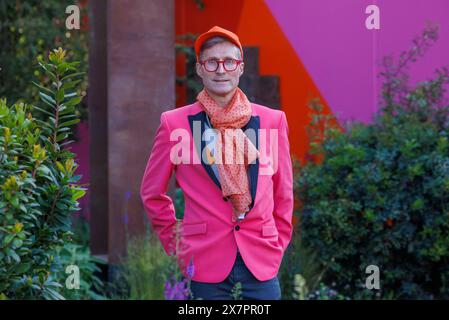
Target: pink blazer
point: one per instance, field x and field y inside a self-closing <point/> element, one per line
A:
<point x="208" y="236"/>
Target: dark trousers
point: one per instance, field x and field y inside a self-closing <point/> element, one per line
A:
<point x="240" y="276"/>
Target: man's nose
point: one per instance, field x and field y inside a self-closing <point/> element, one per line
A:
<point x="220" y="69"/>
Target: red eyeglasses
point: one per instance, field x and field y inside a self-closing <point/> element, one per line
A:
<point x="211" y="65"/>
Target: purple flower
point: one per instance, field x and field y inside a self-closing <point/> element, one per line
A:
<point x="179" y="290"/>
<point x="190" y="269"/>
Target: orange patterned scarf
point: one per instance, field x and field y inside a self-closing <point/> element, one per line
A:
<point x="233" y="175"/>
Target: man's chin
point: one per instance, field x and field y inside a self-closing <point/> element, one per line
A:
<point x="221" y="93"/>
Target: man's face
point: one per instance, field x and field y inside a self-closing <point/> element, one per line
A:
<point x="220" y="82"/>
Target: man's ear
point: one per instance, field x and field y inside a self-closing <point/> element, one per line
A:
<point x="198" y="70"/>
<point x="242" y="68"/>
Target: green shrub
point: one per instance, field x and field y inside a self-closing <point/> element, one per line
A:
<point x="143" y="272"/>
<point x="27" y="30"/>
<point x="379" y="193"/>
<point x="325" y="293"/>
<point x="299" y="260"/>
<point x="147" y="272"/>
<point x="39" y="190"/>
<point x="90" y="286"/>
<point x="145" y="268"/>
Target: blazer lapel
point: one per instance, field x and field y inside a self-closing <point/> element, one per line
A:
<point x="200" y="145"/>
<point x="254" y="125"/>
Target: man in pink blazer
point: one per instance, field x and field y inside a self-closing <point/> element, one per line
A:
<point x="225" y="243"/>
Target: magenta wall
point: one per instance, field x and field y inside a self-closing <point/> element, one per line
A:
<point x="341" y="55"/>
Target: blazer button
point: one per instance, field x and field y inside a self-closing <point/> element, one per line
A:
<point x="237" y="228"/>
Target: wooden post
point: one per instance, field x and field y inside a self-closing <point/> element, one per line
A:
<point x="131" y="81"/>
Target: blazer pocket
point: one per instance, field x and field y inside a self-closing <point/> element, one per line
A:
<point x="194" y="228"/>
<point x="269" y="231"/>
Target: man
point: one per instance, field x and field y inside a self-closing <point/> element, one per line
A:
<point x="238" y="193"/>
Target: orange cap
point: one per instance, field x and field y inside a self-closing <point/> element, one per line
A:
<point x="217" y="31"/>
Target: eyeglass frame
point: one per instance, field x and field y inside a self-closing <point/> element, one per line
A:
<point x="222" y="62"/>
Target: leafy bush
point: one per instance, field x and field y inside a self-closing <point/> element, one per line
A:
<point x="299" y="261"/>
<point x="90" y="286"/>
<point x="39" y="190"/>
<point x="378" y="194"/>
<point x="27" y="29"/>
<point x="147" y="272"/>
<point x="325" y="293"/>
<point x="145" y="268"/>
<point x="143" y="272"/>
